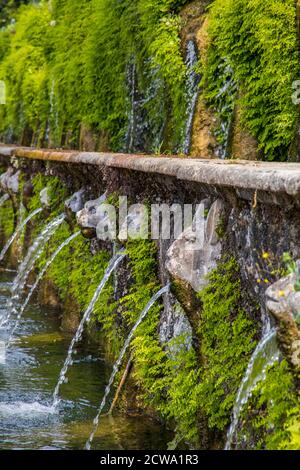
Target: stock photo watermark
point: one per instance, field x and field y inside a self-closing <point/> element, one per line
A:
<point x="2" y="92"/>
<point x="142" y="222"/>
<point x="2" y="352"/>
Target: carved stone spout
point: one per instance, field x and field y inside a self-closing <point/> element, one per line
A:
<point x="191" y="258"/>
<point x="74" y="204"/>
<point x="88" y="218"/>
<point x="283" y="302"/>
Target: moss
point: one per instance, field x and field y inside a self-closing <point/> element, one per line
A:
<point x="254" y="47"/>
<point x="63" y="74"/>
<point x="57" y="193"/>
<point x="183" y="390"/>
<point x="273" y="413"/>
<point x="227" y="341"/>
<point x="7" y="219"/>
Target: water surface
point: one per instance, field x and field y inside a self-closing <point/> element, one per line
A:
<point x="27" y="381"/>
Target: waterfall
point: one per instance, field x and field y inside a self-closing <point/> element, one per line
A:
<point x="225" y="107"/>
<point x="114" y="262"/>
<point x="27" y="264"/>
<point x="18" y="230"/>
<point x="3" y="199"/>
<point x="118" y="363"/>
<point x="53" y="117"/>
<point x="193" y="80"/>
<point x="264" y="356"/>
<point x="131" y="121"/>
<point x="35" y="285"/>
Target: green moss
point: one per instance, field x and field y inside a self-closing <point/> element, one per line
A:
<point x="254" y="45"/>
<point x="273" y="413"/>
<point x="184" y="390"/>
<point x="24" y="70"/>
<point x="6" y="219"/>
<point x="227" y="341"/>
<point x="57" y="193"/>
<point x="61" y="74"/>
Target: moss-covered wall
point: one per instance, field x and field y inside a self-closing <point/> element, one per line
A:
<point x="63" y="89"/>
<point x="189" y="385"/>
<point x="110" y="75"/>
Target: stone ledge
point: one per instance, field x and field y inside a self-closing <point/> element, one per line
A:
<point x="279" y="178"/>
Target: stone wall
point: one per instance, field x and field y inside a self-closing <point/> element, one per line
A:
<point x="250" y="215"/>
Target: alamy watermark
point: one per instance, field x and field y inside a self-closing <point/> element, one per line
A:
<point x="2" y="352"/>
<point x="155" y="222"/>
<point x="2" y="92"/>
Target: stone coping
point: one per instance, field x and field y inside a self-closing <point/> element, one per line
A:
<point x="274" y="177"/>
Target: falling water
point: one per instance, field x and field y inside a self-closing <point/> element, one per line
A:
<point x="264" y="356"/>
<point x="115" y="261"/>
<point x="131" y="122"/>
<point x="52" y="124"/>
<point x="35" y="285"/>
<point x="3" y="199"/>
<point x="193" y="80"/>
<point x="17" y="232"/>
<point x="118" y="363"/>
<point x="225" y="107"/>
<point x="26" y="266"/>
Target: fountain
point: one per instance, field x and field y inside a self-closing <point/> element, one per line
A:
<point x="265" y="355"/>
<point x="118" y="363"/>
<point x="35" y="285"/>
<point x="114" y="262"/>
<point x="3" y="199"/>
<point x="18" y="230"/>
<point x="27" y="264"/>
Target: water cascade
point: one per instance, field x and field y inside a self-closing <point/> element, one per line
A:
<point x="193" y="80"/>
<point x="131" y="119"/>
<point x="3" y="199"/>
<point x="35" y="285"/>
<point x="225" y="108"/>
<point x="118" y="363"/>
<point x="18" y="230"/>
<point x="115" y="261"/>
<point x="27" y="264"/>
<point x="264" y="356"/>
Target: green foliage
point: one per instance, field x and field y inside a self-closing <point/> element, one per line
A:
<point x="6" y="220"/>
<point x="274" y="411"/>
<point x="227" y="341"/>
<point x="8" y="10"/>
<point x="258" y="42"/>
<point x="57" y="193"/>
<point x="24" y="71"/>
<point x="166" y="381"/>
<point x="68" y="64"/>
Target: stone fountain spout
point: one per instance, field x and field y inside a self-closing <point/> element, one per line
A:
<point x="9" y="181"/>
<point x="89" y="217"/>
<point x="75" y="204"/>
<point x="190" y="261"/>
<point x="283" y="302"/>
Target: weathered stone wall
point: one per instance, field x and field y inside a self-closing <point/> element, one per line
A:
<point x="259" y="203"/>
<point x="251" y="215"/>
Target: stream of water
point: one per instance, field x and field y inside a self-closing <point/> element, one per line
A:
<point x="119" y="361"/>
<point x="35" y="285"/>
<point x="27" y="379"/>
<point x="192" y="85"/>
<point x="17" y="232"/>
<point x="26" y="266"/>
<point x="114" y="262"/>
<point x="3" y="199"/>
<point x="265" y="355"/>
